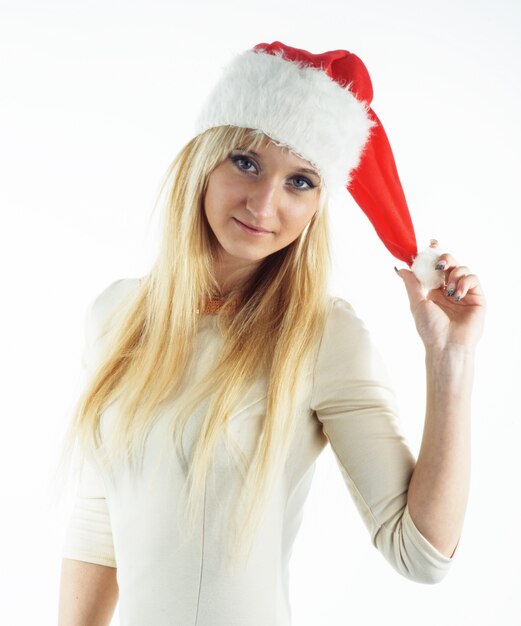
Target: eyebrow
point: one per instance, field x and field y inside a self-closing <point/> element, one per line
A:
<point x="300" y="169"/>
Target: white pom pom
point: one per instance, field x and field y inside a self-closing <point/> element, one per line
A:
<point x="424" y="265"/>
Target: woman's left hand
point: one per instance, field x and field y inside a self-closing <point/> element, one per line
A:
<point x="453" y="315"/>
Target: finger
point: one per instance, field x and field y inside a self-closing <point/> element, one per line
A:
<point x="453" y="277"/>
<point x="447" y="260"/>
<point x="412" y="286"/>
<point x="457" y="272"/>
<point x="464" y="285"/>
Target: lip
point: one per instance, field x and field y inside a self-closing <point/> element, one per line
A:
<point x="249" y="229"/>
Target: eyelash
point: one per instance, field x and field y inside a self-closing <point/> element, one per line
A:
<point x="237" y="158"/>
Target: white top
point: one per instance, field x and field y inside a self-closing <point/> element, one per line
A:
<point x="130" y="523"/>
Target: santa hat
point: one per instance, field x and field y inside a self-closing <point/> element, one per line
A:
<point x="318" y="105"/>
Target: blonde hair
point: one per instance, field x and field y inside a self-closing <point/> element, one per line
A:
<point x="273" y="332"/>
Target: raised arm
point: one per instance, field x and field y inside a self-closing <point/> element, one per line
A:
<point x="450" y="323"/>
<point x="356" y="405"/>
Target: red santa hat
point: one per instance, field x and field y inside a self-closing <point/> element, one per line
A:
<point x="318" y="105"/>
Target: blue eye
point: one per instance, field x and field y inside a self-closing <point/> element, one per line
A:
<point x="237" y="158"/>
<point x="309" y="183"/>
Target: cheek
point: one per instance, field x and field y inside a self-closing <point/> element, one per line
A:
<point x="219" y="208"/>
<point x="221" y="200"/>
<point x="297" y="220"/>
<point x="211" y="204"/>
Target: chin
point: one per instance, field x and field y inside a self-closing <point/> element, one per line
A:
<point x="242" y="256"/>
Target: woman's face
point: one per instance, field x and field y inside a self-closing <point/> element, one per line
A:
<point x="271" y="189"/>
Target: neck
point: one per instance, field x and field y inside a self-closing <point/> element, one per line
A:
<point x="230" y="275"/>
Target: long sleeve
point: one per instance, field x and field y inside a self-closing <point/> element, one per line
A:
<point x="353" y="399"/>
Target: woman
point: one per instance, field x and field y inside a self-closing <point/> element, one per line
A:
<point x="214" y="382"/>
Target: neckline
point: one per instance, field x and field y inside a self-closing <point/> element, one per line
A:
<point x="212" y="306"/>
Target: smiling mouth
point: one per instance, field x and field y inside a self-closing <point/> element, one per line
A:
<point x="251" y="230"/>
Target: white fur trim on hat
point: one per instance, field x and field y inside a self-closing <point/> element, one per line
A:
<point x="298" y="106"/>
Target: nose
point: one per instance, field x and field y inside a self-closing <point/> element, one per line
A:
<point x="263" y="198"/>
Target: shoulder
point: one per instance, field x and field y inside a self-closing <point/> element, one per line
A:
<point x="345" y="332"/>
<point x="340" y="306"/>
<point x="112" y="295"/>
<point x="348" y="361"/>
<point x="107" y="301"/>
<point x="342" y="315"/>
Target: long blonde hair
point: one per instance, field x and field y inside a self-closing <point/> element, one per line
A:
<point x="274" y="330"/>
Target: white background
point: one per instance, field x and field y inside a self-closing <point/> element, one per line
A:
<point x="96" y="100"/>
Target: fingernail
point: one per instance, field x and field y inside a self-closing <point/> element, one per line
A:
<point x="396" y="270"/>
<point x="450" y="292"/>
<point x="440" y="266"/>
